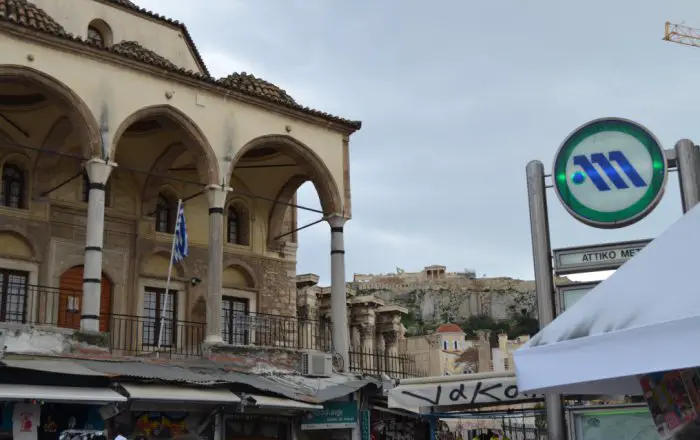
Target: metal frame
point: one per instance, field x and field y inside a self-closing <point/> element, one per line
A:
<point x="572" y="411"/>
<point x="561" y="290"/>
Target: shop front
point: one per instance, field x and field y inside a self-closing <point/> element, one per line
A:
<point x="41" y="412"/>
<point x="168" y="412"/>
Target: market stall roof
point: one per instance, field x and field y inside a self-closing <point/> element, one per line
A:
<point x="171" y="393"/>
<point x="644" y="318"/>
<point x="442" y="393"/>
<point x="281" y="403"/>
<point x="85" y="395"/>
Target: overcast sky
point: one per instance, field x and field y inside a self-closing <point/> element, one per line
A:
<point x="455" y="98"/>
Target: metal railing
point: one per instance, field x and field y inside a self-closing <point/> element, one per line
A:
<point x="22" y="303"/>
<point x="396" y="366"/>
<point x="137" y="335"/>
<point x="265" y="330"/>
<point x="129" y="334"/>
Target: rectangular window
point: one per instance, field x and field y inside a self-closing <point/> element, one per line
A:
<point x="235" y="320"/>
<point x="154" y="299"/>
<point x="13" y="299"/>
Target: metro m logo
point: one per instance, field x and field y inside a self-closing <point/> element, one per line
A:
<point x="589" y="169"/>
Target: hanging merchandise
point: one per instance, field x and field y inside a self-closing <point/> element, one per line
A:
<point x="82" y="434"/>
<point x="25" y="421"/>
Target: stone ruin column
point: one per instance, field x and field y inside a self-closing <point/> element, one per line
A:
<point x="310" y="332"/>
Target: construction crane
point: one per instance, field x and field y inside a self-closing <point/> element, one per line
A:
<point x="678" y="33"/>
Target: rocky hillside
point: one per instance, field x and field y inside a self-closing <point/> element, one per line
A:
<point x="495" y="302"/>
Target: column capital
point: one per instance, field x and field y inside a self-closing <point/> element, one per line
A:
<point x="217" y="194"/>
<point x="98" y="170"/>
<point x="336" y="220"/>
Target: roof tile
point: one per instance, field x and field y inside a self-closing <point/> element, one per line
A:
<point x="28" y="14"/>
<point x="134" y="50"/>
<point x="257" y="86"/>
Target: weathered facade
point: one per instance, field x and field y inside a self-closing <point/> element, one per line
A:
<point x="108" y="118"/>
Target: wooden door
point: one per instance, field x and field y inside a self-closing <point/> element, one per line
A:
<point x="71" y="298"/>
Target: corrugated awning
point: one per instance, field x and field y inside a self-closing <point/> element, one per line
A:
<point x="52" y="366"/>
<point x="97" y="396"/>
<point x="281" y="403"/>
<point x="169" y="393"/>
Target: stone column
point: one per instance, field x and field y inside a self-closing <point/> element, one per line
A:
<point x="310" y="330"/>
<point x="367" y="332"/>
<point x="217" y="200"/>
<point x="339" y="308"/>
<point x="98" y="172"/>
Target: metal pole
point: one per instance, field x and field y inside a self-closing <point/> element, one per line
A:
<point x="688" y="160"/>
<point x="544" y="283"/>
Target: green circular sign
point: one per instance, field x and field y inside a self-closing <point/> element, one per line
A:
<point x="610" y="173"/>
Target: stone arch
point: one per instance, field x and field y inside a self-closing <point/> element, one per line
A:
<point x="180" y="267"/>
<point x="317" y="171"/>
<point x="78" y="111"/>
<point x="208" y="169"/>
<point x="239" y="264"/>
<point x="276" y="217"/>
<point x="20" y="234"/>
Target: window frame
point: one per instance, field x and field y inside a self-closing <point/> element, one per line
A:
<point x="169" y="215"/>
<point x="160" y="294"/>
<point x="4" y="284"/>
<point x="228" y="324"/>
<point x="20" y="179"/>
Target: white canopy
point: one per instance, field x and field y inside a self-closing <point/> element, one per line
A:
<point x="457" y="390"/>
<point x="644" y="318"/>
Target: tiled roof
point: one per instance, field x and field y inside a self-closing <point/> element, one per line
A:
<point x="257" y="86"/>
<point x="29" y="15"/>
<point x="127" y="4"/>
<point x="449" y="328"/>
<point x="135" y="51"/>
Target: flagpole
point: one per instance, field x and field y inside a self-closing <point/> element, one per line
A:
<point x="167" y="282"/>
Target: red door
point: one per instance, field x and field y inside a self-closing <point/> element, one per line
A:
<point x="71" y="297"/>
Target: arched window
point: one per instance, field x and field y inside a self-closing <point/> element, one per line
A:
<point x="237" y="228"/>
<point x="99" y="33"/>
<point x="86" y="190"/>
<point x="95" y="36"/>
<point x="13" y="186"/>
<point x="165" y="214"/>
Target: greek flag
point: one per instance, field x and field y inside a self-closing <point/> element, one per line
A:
<point x="180" y="247"/>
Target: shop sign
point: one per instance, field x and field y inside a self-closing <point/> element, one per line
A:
<point x="334" y="415"/>
<point x="597" y="257"/>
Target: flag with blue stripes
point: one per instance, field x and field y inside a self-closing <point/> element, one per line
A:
<point x="181" y="247"/>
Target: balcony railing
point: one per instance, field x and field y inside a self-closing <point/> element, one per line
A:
<point x="22" y="303"/>
<point x="136" y="335"/>
<point x="396" y="366"/>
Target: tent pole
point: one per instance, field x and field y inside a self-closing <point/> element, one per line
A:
<point x="544" y="283"/>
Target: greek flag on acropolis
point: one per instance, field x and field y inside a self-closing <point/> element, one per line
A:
<point x="180" y="248"/>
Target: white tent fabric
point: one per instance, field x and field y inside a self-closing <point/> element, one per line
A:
<point x="644" y="318"/>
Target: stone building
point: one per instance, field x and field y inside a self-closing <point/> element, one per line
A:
<point x="377" y="334"/>
<point x="109" y="116"/>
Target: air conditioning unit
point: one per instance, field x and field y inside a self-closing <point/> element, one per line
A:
<point x="316" y="364"/>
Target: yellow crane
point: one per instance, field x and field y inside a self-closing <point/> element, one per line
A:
<point x="681" y="34"/>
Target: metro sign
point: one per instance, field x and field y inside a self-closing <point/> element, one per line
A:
<point x="610" y="173"/>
